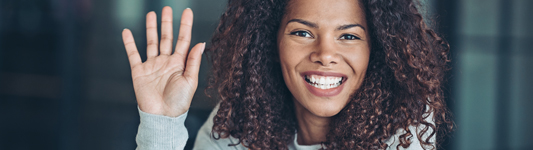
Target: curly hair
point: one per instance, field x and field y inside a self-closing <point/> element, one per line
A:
<point x="403" y="82"/>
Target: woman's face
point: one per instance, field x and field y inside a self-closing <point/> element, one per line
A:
<point x="324" y="51"/>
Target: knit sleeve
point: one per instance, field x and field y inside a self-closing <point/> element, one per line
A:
<point x="157" y="132"/>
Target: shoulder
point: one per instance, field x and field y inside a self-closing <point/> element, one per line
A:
<point x="204" y="140"/>
<point x="394" y="141"/>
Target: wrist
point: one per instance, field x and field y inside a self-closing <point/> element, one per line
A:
<point x="169" y="112"/>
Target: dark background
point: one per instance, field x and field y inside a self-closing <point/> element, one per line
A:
<point x="65" y="81"/>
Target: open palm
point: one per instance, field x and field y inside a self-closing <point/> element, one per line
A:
<point x="165" y="83"/>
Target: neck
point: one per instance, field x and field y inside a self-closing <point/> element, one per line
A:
<point x="312" y="129"/>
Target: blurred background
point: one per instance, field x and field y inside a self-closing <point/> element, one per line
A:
<point x="65" y="80"/>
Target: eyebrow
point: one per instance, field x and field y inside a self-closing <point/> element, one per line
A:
<point x="307" y="23"/>
<point x="348" y="26"/>
<point x="314" y="25"/>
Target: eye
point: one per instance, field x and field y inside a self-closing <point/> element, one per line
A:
<point x="349" y="37"/>
<point x="301" y="33"/>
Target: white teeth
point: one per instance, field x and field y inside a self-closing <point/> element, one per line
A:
<point x="324" y="82"/>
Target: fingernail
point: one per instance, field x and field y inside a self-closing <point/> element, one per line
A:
<point x="187" y="8"/>
<point x="125" y="29"/>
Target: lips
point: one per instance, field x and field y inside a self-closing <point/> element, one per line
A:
<point x="324" y="84"/>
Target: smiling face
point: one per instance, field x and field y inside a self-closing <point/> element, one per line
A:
<point x="324" y="52"/>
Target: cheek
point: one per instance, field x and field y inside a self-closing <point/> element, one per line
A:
<point x="285" y="62"/>
<point x="290" y="56"/>
<point x="358" y="57"/>
<point x="358" y="62"/>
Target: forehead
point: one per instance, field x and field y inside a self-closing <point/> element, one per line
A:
<point x="326" y="11"/>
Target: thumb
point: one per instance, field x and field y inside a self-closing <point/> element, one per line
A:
<point x="194" y="60"/>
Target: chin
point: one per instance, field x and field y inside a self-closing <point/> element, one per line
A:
<point x="326" y="112"/>
<point x="324" y="108"/>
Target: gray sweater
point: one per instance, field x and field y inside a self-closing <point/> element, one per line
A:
<point x="158" y="132"/>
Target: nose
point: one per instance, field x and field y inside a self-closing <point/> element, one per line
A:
<point x="325" y="53"/>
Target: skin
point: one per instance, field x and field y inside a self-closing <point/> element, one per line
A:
<point x="311" y="39"/>
<point x="165" y="83"/>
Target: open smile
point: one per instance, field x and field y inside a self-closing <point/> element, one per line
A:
<point x="324" y="84"/>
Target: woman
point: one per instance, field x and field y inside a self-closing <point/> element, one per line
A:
<point x="298" y="74"/>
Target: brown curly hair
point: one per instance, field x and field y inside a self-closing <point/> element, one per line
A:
<point x="403" y="82"/>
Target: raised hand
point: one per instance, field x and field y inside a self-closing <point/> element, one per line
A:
<point x="165" y="83"/>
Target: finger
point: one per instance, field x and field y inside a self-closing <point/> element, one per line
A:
<point x="193" y="61"/>
<point x="166" y="31"/>
<point x="184" y="38"/>
<point x="131" y="48"/>
<point x="151" y="35"/>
